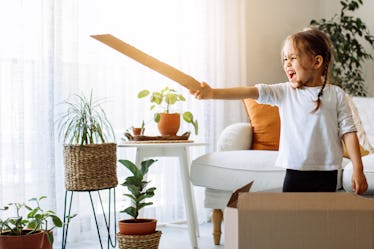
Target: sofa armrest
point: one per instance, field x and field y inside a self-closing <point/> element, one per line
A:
<point x="237" y="136"/>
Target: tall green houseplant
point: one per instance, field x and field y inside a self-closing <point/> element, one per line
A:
<point x="347" y="34"/>
<point x="85" y="122"/>
<point x="90" y="157"/>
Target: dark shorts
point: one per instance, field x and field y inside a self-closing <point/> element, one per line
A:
<point x="310" y="181"/>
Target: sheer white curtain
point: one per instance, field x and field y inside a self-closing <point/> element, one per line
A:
<point x="47" y="54"/>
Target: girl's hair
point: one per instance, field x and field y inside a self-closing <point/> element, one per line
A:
<point x="315" y="42"/>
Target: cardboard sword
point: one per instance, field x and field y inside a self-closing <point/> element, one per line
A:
<point x="149" y="61"/>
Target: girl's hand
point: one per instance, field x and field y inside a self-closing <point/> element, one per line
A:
<point x="205" y="92"/>
<point x="359" y="184"/>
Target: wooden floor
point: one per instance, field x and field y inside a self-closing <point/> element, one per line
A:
<point x="173" y="237"/>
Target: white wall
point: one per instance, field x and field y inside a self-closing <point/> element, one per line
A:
<point x="270" y="21"/>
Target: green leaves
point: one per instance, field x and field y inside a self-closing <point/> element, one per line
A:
<point x="143" y="94"/>
<point x="136" y="185"/>
<point x="56" y="221"/>
<point x="132" y="211"/>
<point x="166" y="98"/>
<point x="347" y="34"/>
<point x="84" y="122"/>
<point x="36" y="219"/>
<point x="157" y="117"/>
<point x="188" y="117"/>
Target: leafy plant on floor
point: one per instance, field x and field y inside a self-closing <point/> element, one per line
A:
<point x="347" y="34"/>
<point x="35" y="220"/>
<point x="137" y="186"/>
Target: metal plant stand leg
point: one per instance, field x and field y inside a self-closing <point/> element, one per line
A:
<point x="112" y="241"/>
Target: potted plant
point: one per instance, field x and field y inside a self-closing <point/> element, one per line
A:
<point x="168" y="121"/>
<point x="138" y="231"/>
<point x="89" y="150"/>
<point x="347" y="33"/>
<point x="138" y="131"/>
<point x="33" y="229"/>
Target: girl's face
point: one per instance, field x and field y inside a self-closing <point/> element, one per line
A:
<point x="300" y="67"/>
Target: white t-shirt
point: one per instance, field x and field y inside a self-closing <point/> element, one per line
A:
<point x="309" y="141"/>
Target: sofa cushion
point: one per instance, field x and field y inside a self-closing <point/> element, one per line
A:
<point x="237" y="136"/>
<point x="229" y="170"/>
<point x="265" y="123"/>
<point x="368" y="162"/>
<point x="362" y="110"/>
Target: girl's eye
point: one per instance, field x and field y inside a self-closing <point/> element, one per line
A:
<point x="293" y="58"/>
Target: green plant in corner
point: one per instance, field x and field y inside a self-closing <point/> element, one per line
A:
<point x="346" y="33"/>
<point x="35" y="220"/>
<point x="137" y="186"/>
<point x="165" y="99"/>
<point x="85" y="122"/>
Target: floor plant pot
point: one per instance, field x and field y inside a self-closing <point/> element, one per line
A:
<point x="33" y="241"/>
<point x="46" y="244"/>
<point x="148" y="241"/>
<point x="137" y="226"/>
<point x="91" y="166"/>
<point x="169" y="124"/>
<point x="138" y="234"/>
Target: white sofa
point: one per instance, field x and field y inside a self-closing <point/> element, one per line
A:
<point x="234" y="165"/>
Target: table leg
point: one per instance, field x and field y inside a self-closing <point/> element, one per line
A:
<point x="187" y="192"/>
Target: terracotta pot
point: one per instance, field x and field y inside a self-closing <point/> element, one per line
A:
<point x="169" y="124"/>
<point x="33" y="241"/>
<point x="137" y="226"/>
<point x="46" y="244"/>
<point x="137" y="131"/>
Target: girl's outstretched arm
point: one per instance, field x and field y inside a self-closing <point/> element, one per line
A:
<point x="359" y="183"/>
<point x="240" y="92"/>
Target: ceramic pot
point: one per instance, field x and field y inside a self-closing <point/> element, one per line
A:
<point x="169" y="124"/>
<point x="46" y="244"/>
<point x="137" y="131"/>
<point x="33" y="241"/>
<point x="137" y="226"/>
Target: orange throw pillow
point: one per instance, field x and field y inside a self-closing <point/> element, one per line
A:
<point x="265" y="123"/>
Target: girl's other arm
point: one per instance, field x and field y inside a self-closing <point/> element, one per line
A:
<point x="241" y="92"/>
<point x="359" y="184"/>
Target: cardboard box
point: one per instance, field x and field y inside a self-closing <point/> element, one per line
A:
<point x="264" y="220"/>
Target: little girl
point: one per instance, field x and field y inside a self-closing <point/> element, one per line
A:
<point x="315" y="116"/>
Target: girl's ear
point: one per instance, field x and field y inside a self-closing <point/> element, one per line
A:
<point x="318" y="61"/>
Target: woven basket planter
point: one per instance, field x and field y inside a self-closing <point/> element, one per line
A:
<point x="148" y="241"/>
<point x="90" y="167"/>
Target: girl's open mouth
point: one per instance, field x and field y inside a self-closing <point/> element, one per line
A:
<point x="291" y="74"/>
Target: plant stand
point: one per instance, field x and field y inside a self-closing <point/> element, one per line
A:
<point x="148" y="241"/>
<point x="67" y="212"/>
